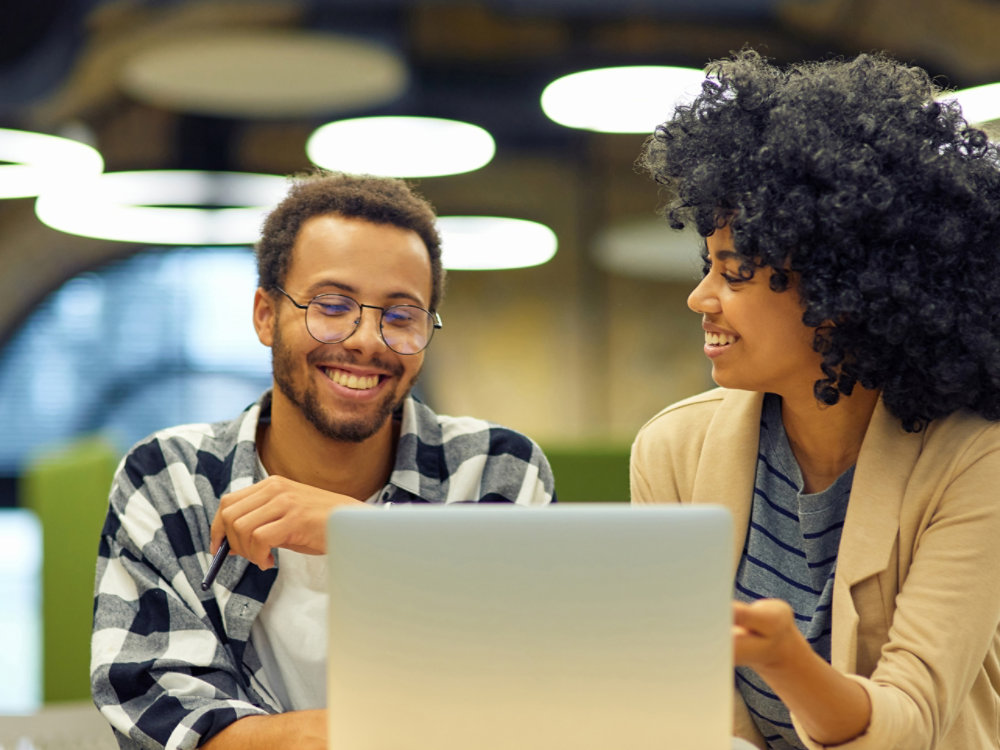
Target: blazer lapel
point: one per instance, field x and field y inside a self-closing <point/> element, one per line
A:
<point x="728" y="462"/>
<point x="867" y="544"/>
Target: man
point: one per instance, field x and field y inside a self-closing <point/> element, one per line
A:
<point x="350" y="280"/>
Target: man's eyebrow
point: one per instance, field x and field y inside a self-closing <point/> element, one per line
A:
<point x="323" y="287"/>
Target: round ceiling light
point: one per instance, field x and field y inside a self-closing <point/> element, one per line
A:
<point x="164" y="207"/>
<point x="400" y="146"/>
<point x="630" y="99"/>
<point x="36" y="161"/>
<point x="481" y="243"/>
<point x="264" y="73"/>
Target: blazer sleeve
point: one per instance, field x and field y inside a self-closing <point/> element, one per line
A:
<point x="934" y="684"/>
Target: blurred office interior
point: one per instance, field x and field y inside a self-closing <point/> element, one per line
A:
<point x="105" y="340"/>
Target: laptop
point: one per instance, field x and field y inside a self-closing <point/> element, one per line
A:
<point x="569" y="627"/>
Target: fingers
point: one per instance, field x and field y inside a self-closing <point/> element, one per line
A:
<point x="764" y="616"/>
<point x="276" y="512"/>
<point x="250" y="519"/>
<point x="762" y="631"/>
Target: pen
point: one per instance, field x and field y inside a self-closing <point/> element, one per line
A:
<point x="213" y="569"/>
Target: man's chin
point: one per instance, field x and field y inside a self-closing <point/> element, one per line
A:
<point x="349" y="432"/>
<point x="346" y="429"/>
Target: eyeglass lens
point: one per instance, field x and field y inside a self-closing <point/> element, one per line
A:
<point x="406" y="329"/>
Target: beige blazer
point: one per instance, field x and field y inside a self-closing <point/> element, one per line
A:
<point x="916" y="597"/>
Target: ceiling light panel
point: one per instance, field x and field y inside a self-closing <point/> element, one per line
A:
<point x="37" y="161"/>
<point x="980" y="104"/>
<point x="480" y="243"/>
<point x="265" y="73"/>
<point x="631" y="99"/>
<point x="164" y="207"/>
<point x="401" y="146"/>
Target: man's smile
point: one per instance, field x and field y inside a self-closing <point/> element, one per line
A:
<point x="350" y="379"/>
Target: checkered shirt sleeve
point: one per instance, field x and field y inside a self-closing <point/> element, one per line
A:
<point x="169" y="662"/>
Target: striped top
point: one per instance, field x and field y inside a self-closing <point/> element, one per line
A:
<point x="790" y="554"/>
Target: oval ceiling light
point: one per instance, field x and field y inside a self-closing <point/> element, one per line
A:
<point x="482" y="243"/>
<point x="400" y="146"/>
<point x="980" y="104"/>
<point x="37" y="160"/>
<point x="630" y="99"/>
<point x="264" y="73"/>
<point x="164" y="207"/>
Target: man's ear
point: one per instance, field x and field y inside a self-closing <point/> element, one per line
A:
<point x="264" y="316"/>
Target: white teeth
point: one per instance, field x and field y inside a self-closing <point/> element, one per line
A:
<point x="719" y="339"/>
<point x="348" y="380"/>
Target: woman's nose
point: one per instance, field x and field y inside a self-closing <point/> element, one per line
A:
<point x="703" y="298"/>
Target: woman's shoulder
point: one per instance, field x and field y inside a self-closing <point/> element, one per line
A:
<point x="698" y="411"/>
<point x="962" y="431"/>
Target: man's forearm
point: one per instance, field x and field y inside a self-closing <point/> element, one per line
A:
<point x="303" y="730"/>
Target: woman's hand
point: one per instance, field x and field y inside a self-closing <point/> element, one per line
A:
<point x="764" y="634"/>
<point x="830" y="707"/>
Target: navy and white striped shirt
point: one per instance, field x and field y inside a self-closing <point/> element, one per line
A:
<point x="790" y="554"/>
<point x="171" y="664"/>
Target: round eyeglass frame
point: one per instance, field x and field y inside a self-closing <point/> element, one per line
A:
<point x="434" y="317"/>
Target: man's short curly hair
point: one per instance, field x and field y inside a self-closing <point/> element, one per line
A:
<point x="877" y="199"/>
<point x="379" y="200"/>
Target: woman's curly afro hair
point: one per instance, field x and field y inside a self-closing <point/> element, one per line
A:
<point x="880" y="203"/>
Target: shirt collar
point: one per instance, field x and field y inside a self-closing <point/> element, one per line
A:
<point x="418" y="469"/>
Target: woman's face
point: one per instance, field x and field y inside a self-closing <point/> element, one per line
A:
<point x="754" y="336"/>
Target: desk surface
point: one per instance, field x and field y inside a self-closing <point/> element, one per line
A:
<point x="79" y="726"/>
<point x="58" y="726"/>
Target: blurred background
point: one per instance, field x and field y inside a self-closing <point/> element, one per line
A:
<point x="103" y="341"/>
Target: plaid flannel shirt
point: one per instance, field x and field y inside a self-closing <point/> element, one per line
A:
<point x="172" y="665"/>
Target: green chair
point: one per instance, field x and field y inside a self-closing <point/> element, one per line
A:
<point x="68" y="491"/>
<point x="590" y="473"/>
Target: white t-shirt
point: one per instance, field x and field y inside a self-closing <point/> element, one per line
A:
<point x="290" y="632"/>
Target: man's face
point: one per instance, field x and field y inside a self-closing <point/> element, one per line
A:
<point x="347" y="390"/>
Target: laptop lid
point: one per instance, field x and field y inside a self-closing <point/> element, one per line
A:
<point x="590" y="626"/>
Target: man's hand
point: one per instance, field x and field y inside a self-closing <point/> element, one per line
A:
<point x="276" y="512"/>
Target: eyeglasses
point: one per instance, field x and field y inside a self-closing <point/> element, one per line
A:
<point x="332" y="318"/>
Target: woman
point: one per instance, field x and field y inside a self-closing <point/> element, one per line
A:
<point x="851" y="308"/>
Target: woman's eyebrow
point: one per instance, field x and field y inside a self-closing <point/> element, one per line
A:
<point x="721" y="256"/>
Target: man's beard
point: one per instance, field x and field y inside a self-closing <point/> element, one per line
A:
<point x="346" y="429"/>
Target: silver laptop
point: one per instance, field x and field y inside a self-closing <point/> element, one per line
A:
<point x="571" y="627"/>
